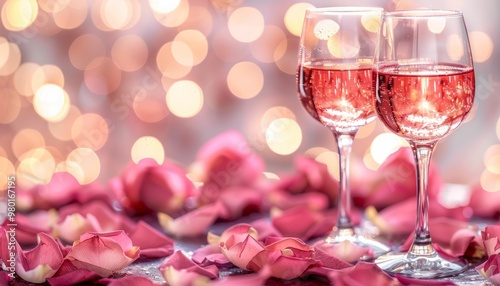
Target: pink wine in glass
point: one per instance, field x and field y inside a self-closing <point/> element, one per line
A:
<point x="423" y="102"/>
<point x="338" y="95"/>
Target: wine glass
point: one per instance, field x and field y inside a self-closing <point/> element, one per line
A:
<point x="424" y="80"/>
<point x="334" y="82"/>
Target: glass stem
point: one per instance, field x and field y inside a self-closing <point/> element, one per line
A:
<point x="344" y="145"/>
<point x="422" y="244"/>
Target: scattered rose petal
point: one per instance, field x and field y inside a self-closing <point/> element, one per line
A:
<point x="423" y="282"/>
<point x="345" y="250"/>
<point x="126" y="281"/>
<point x="491" y="239"/>
<point x="239" y="244"/>
<point x="30" y="224"/>
<point x="103" y="253"/>
<point x="180" y="270"/>
<point x="151" y="242"/>
<point x="240" y="201"/>
<point x="211" y="254"/>
<point x="252" y="279"/>
<point x="287" y="258"/>
<point x="69" y="274"/>
<point x="225" y="161"/>
<point x="198" y="220"/>
<point x="491" y="269"/>
<point x="148" y="187"/>
<point x="303" y="223"/>
<point x="361" y="274"/>
<point x="106" y="219"/>
<point x="394" y="181"/>
<point x="285" y="200"/>
<point x="310" y="176"/>
<point x="265" y="229"/>
<point x="74" y="225"/>
<point x="35" y="265"/>
<point x="484" y="204"/>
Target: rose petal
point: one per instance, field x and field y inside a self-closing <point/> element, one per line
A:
<point x="285" y="200"/>
<point x="74" y="225"/>
<point x="394" y="181"/>
<point x="490" y="269"/>
<point x="35" y="265"/>
<point x="240" y="201"/>
<point x="151" y="242"/>
<point x="180" y="270"/>
<point x="225" y="161"/>
<point x="103" y="253"/>
<point x="303" y="223"/>
<point x="361" y="274"/>
<point x="491" y="239"/>
<point x="265" y="229"/>
<point x="345" y="250"/>
<point x="484" y="204"/>
<point x="252" y="279"/>
<point x="29" y="225"/>
<point x="211" y="254"/>
<point x="199" y="220"/>
<point x="411" y="281"/>
<point x="126" y="281"/>
<point x="69" y="274"/>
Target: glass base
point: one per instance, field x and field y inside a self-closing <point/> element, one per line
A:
<point x="420" y="266"/>
<point x="342" y="234"/>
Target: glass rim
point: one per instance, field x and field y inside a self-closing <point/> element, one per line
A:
<point x="345" y="9"/>
<point x="422" y="13"/>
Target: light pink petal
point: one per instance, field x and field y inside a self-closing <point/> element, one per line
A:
<point x="265" y="229"/>
<point x="485" y="204"/>
<point x="286" y="200"/>
<point x="346" y="250"/>
<point x="29" y="225"/>
<point x="240" y="201"/>
<point x="69" y="274"/>
<point x="211" y="254"/>
<point x="411" y="281"/>
<point x="361" y="274"/>
<point x="303" y="223"/>
<point x="61" y="190"/>
<point x="198" y="220"/>
<point x="103" y="253"/>
<point x="74" y="225"/>
<point x="184" y="265"/>
<point x="252" y="279"/>
<point x="491" y="239"/>
<point x="107" y="218"/>
<point x="490" y="269"/>
<point x="224" y="161"/>
<point x="41" y="262"/>
<point x="240" y="253"/>
<point x="151" y="242"/>
<point x="329" y="263"/>
<point x="393" y="182"/>
<point x="126" y="281"/>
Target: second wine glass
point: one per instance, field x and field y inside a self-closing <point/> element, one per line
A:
<point x="334" y="82"/>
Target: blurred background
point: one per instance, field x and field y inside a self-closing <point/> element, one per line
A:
<point x="88" y="86"/>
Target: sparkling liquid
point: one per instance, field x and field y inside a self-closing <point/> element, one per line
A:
<point x="424" y="102"/>
<point x="339" y="96"/>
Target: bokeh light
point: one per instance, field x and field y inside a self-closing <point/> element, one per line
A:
<point x="51" y="102"/>
<point x="283" y="136"/>
<point x="148" y="147"/>
<point x="246" y="24"/>
<point x="11" y="105"/>
<point x="19" y="15"/>
<point x="90" y="130"/>
<point x="482" y="46"/>
<point x="25" y="140"/>
<point x="84" y="165"/>
<point x="184" y="99"/>
<point x="129" y="52"/>
<point x="13" y="58"/>
<point x="85" y="49"/>
<point x="294" y="17"/>
<point x="384" y="145"/>
<point x="245" y="80"/>
<point x="331" y="160"/>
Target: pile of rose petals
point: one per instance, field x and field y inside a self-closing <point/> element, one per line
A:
<point x="69" y="233"/>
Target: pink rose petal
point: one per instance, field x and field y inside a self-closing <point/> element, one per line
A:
<point x="285" y="200"/>
<point x="226" y="161"/>
<point x="103" y="253"/>
<point x="491" y="239"/>
<point x="346" y="250"/>
<point x="148" y="187"/>
<point x="393" y="182"/>
<point x="303" y="223"/>
<point x="252" y="279"/>
<point x="69" y="274"/>
<point x="240" y="201"/>
<point x="265" y="229"/>
<point x="490" y="269"/>
<point x="126" y="281"/>
<point x="35" y="265"/>
<point x="361" y="274"/>
<point x="485" y="204"/>
<point x="151" y="242"/>
<point x="412" y="281"/>
<point x="211" y="254"/>
<point x="180" y="270"/>
<point x="198" y="220"/>
<point x="29" y="225"/>
<point x="310" y="176"/>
